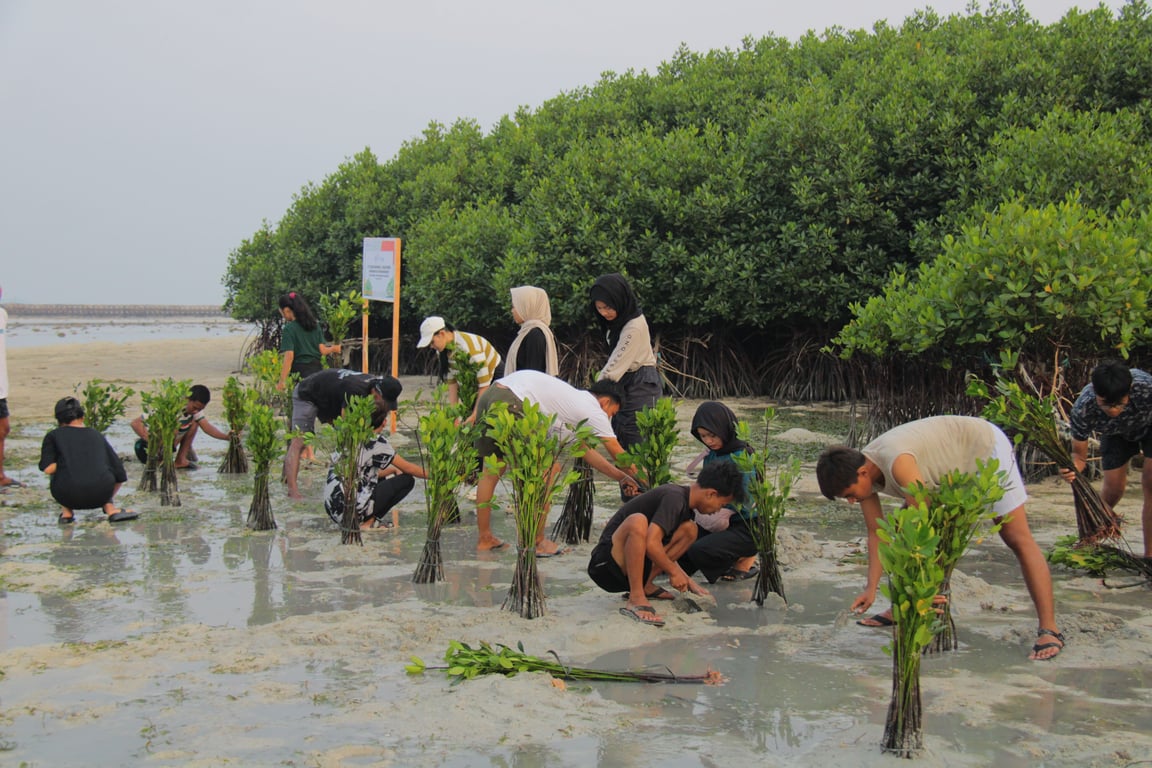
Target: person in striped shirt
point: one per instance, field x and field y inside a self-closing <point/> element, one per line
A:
<point x="445" y="339"/>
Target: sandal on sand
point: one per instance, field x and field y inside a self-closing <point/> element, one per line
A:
<point x="735" y="574"/>
<point x="1039" y="646"/>
<point x="66" y="520"/>
<point x="635" y="613"/>
<point x="554" y="553"/>
<point x="12" y="484"/>
<point x="121" y="515"/>
<point x="877" y="620"/>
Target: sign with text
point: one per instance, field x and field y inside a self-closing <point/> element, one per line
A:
<point x="379" y="271"/>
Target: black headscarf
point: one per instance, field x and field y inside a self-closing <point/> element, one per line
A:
<point x="718" y="419"/>
<point x="615" y="291"/>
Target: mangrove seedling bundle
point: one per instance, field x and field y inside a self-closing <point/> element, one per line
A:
<point x="533" y="455"/>
<point x="238" y="401"/>
<point x="448" y="457"/>
<point x="652" y="456"/>
<point x="575" y="521"/>
<point x="266" y="445"/>
<point x="163" y="409"/>
<point x="768" y="489"/>
<point x="353" y="429"/>
<point x="1028" y="417"/>
<point x="465" y="663"/>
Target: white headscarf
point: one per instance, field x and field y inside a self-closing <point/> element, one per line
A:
<point x="531" y="303"/>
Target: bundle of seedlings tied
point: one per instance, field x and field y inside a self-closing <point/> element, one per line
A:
<point x="532" y="456"/>
<point x="1033" y="419"/>
<point x="353" y="429"/>
<point x="575" y="521"/>
<point x="960" y="509"/>
<point x="163" y="407"/>
<point x="448" y="458"/>
<point x="768" y="490"/>
<point x="238" y="402"/>
<point x="465" y="663"/>
<point x="265" y="443"/>
<point x="1097" y="559"/>
<point x="912" y="552"/>
<point x="104" y="402"/>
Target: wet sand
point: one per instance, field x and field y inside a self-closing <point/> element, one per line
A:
<point x="182" y="638"/>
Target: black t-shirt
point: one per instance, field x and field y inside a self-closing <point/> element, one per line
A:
<point x="83" y="459"/>
<point x="533" y="351"/>
<point x="330" y="389"/>
<point x="665" y="505"/>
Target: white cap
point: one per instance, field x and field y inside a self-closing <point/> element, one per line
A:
<point x="428" y="329"/>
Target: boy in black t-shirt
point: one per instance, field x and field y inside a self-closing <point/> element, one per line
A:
<point x="649" y="534"/>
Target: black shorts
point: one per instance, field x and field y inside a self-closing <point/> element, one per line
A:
<point x="1116" y="450"/>
<point x="607" y="575"/>
<point x="3" y="407"/>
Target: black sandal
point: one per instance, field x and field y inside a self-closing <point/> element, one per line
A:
<point x="1039" y="646"/>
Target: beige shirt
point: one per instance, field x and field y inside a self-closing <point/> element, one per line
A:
<point x="939" y="444"/>
<point x="633" y="351"/>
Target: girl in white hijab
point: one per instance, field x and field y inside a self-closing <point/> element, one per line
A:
<point x="534" y="346"/>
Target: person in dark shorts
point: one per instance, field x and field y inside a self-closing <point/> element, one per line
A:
<point x="651" y="532"/>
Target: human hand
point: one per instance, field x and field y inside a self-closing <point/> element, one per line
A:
<point x="863" y="601"/>
<point x="280" y="386"/>
<point x="679" y="579"/>
<point x="1068" y="474"/>
<point x="696" y="589"/>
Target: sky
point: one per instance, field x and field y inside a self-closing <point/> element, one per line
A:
<point x="142" y="140"/>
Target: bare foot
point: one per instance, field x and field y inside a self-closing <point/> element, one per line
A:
<point x="490" y="544"/>
<point x="295" y="495"/>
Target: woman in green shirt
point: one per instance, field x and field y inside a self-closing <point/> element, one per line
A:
<point x="301" y="340"/>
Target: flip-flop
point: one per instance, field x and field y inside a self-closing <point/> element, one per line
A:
<point x="122" y="515"/>
<point x="498" y="548"/>
<point x="62" y="520"/>
<point x="12" y="484"/>
<point x="735" y="574"/>
<point x="633" y="612"/>
<point x="880" y="619"/>
<point x="557" y="553"/>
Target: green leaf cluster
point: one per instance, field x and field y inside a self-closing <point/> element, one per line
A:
<point x="659" y="435"/>
<point x="449" y="457"/>
<point x="352" y="428"/>
<point x="467" y="372"/>
<point x="103" y="402"/>
<point x="263" y="438"/>
<point x="163" y="408"/>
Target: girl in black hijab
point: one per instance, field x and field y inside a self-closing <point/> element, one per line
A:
<point x="724" y="548"/>
<point x="631" y="359"/>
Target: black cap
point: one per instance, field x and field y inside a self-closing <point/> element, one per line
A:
<point x="389" y="388"/>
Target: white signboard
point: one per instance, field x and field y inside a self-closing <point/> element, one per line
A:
<point x="379" y="271"/>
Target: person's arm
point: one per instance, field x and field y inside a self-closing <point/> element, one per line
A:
<point x="406" y="467"/>
<point x="48" y="455"/>
<point x="139" y="428"/>
<point x="211" y="430"/>
<point x="472" y="416"/>
<point x="593" y="458"/>
<point x="285" y="369"/>
<point x="1079" y="459"/>
<point x="872" y="511"/>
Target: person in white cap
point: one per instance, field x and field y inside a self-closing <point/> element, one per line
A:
<point x="445" y="339"/>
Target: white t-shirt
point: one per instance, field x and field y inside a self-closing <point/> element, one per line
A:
<point x="559" y="398"/>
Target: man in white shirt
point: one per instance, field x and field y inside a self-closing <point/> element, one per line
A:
<point x="571" y="406"/>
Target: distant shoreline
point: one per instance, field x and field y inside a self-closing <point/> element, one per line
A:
<point x="116" y="310"/>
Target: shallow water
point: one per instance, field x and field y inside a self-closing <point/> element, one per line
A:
<point x="806" y="686"/>
<point x="24" y="332"/>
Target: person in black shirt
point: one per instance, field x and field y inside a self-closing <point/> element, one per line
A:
<point x="85" y="472"/>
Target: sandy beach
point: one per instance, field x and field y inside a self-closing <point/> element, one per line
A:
<point x="182" y="638"/>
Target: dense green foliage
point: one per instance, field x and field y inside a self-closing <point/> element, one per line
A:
<point x="754" y="196"/>
<point x="652" y="456"/>
<point x="163" y="408"/>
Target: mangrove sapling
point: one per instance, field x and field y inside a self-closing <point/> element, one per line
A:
<point x="104" y="402"/>
<point x="1095" y="559"/>
<point x="768" y="490"/>
<point x="238" y="401"/>
<point x="465" y="663"/>
<point x="1032" y="418"/>
<point x="960" y="508"/>
<point x="533" y="454"/>
<point x="265" y="443"/>
<point x="908" y="547"/>
<point x="337" y="311"/>
<point x="652" y="456"/>
<point x="575" y="521"/>
<point x="448" y="456"/>
<point x="163" y="408"/>
<point x="265" y="368"/>
<point x="352" y="428"/>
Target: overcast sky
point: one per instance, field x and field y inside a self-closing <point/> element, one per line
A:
<point x="142" y="140"/>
